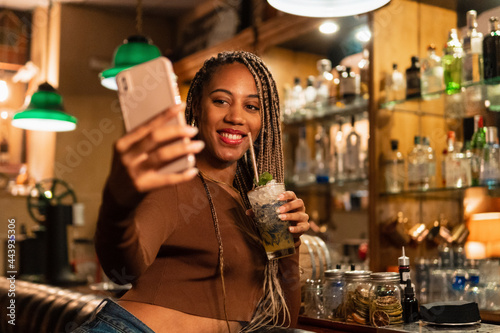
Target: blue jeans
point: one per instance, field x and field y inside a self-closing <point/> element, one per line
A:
<point x="112" y="318"/>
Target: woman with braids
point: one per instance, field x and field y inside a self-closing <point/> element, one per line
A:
<point x="187" y="242"/>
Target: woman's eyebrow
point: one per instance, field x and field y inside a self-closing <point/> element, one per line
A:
<point x="230" y="93"/>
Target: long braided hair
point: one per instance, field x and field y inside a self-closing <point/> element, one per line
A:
<point x="272" y="309"/>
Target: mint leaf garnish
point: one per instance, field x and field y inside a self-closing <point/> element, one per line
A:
<point x="264" y="178"/>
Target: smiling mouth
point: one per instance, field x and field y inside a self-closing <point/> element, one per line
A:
<point x="231" y="136"/>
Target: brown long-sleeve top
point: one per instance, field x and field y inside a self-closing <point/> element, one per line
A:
<point x="167" y="248"/>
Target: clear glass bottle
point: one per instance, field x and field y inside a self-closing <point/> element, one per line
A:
<point x="456" y="167"/>
<point x="478" y="143"/>
<point x="394" y="165"/>
<point x="364" y="74"/>
<point x="413" y="79"/>
<point x="395" y="85"/>
<point x="473" y="65"/>
<point x="297" y="98"/>
<point x="340" y="154"/>
<point x="432" y="74"/>
<point x="353" y="146"/>
<point x="302" y="172"/>
<point x="357" y="297"/>
<point x="416" y="166"/>
<point x="452" y="63"/>
<point x="473" y="50"/>
<point x="489" y="171"/>
<point x="333" y="295"/>
<point x="310" y="92"/>
<point x="385" y="299"/>
<point x="429" y="173"/>
<point x="324" y="82"/>
<point x="321" y="155"/>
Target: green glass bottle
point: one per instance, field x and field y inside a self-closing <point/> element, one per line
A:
<point x="478" y="143"/>
<point x="452" y="63"/>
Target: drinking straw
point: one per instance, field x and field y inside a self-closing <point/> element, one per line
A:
<point x="252" y="154"/>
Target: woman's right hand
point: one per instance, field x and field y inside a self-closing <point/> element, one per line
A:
<point x="147" y="148"/>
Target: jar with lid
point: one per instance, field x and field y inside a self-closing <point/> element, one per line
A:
<point x="385" y="299"/>
<point x="333" y="295"/>
<point x="356" y="297"/>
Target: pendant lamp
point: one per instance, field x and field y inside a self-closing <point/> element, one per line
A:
<point x="45" y="112"/>
<point x="327" y="8"/>
<point x="134" y="50"/>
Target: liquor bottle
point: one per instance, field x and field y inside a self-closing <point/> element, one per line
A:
<point x="394" y="169"/>
<point x="474" y="292"/>
<point x="303" y="174"/>
<point x="310" y="92"/>
<point x="349" y="85"/>
<point x="409" y="304"/>
<point x="432" y="74"/>
<point x="472" y="71"/>
<point x="321" y="155"/>
<point x="457" y="171"/>
<point x="413" y="79"/>
<point x="478" y="143"/>
<point x="297" y="98"/>
<point x="416" y="166"/>
<point x="340" y="154"/>
<point x="353" y="143"/>
<point x="429" y="179"/>
<point x="452" y="63"/>
<point x="395" y="85"/>
<point x="337" y="82"/>
<point x="324" y="82"/>
<point x="489" y="171"/>
<point x="491" y="52"/>
<point x="447" y="152"/>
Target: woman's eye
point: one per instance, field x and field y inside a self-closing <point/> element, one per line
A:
<point x="253" y="107"/>
<point x="219" y="101"/>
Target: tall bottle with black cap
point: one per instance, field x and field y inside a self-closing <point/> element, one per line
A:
<point x="404" y="271"/>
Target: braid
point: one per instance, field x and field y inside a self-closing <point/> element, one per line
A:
<point x="269" y="152"/>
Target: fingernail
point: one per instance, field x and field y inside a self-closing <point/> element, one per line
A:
<point x="278" y="210"/>
<point x="198" y="145"/>
<point x="193" y="171"/>
<point x="292" y="229"/>
<point x="281" y="197"/>
<point x="282" y="216"/>
<point x="191" y="130"/>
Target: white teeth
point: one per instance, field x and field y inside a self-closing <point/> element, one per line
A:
<point x="231" y="136"/>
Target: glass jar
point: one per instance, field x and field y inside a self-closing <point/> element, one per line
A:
<point x="356" y="297"/>
<point x="333" y="295"/>
<point x="385" y="299"/>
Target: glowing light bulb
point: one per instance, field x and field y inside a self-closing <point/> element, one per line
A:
<point x="328" y="27"/>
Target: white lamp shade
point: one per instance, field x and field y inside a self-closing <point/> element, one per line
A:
<point x="327" y="8"/>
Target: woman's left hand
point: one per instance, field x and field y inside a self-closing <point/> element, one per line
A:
<point x="294" y="211"/>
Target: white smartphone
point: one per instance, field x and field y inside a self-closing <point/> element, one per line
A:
<point x="144" y="91"/>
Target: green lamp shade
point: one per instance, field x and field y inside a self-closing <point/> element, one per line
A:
<point x="45" y="112"/>
<point x="134" y="50"/>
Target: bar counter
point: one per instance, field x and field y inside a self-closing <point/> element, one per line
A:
<point x="328" y="326"/>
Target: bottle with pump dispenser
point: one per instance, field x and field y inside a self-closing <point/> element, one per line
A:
<point x="404" y="270"/>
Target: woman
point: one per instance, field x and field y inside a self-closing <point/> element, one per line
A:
<point x="185" y="241"/>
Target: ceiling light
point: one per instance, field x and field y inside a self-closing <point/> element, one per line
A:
<point x="134" y="50"/>
<point x="328" y="27"/>
<point x="327" y="8"/>
<point x="45" y="112"/>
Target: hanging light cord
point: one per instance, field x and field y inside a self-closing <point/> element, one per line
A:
<point x="138" y="18"/>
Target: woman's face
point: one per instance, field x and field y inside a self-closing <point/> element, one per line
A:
<point x="230" y="108"/>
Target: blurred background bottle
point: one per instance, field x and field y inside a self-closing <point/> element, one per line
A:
<point x="432" y="74"/>
<point x="416" y="166"/>
<point x="452" y="63"/>
<point x="413" y="79"/>
<point x="321" y="155"/>
<point x="478" y="143"/>
<point x="491" y="56"/>
<point x="324" y="82"/>
<point x="394" y="165"/>
<point x="302" y="173"/>
<point x="489" y="171"/>
<point x="340" y="152"/>
<point x="395" y="86"/>
<point x="429" y="174"/>
<point x="353" y="146"/>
